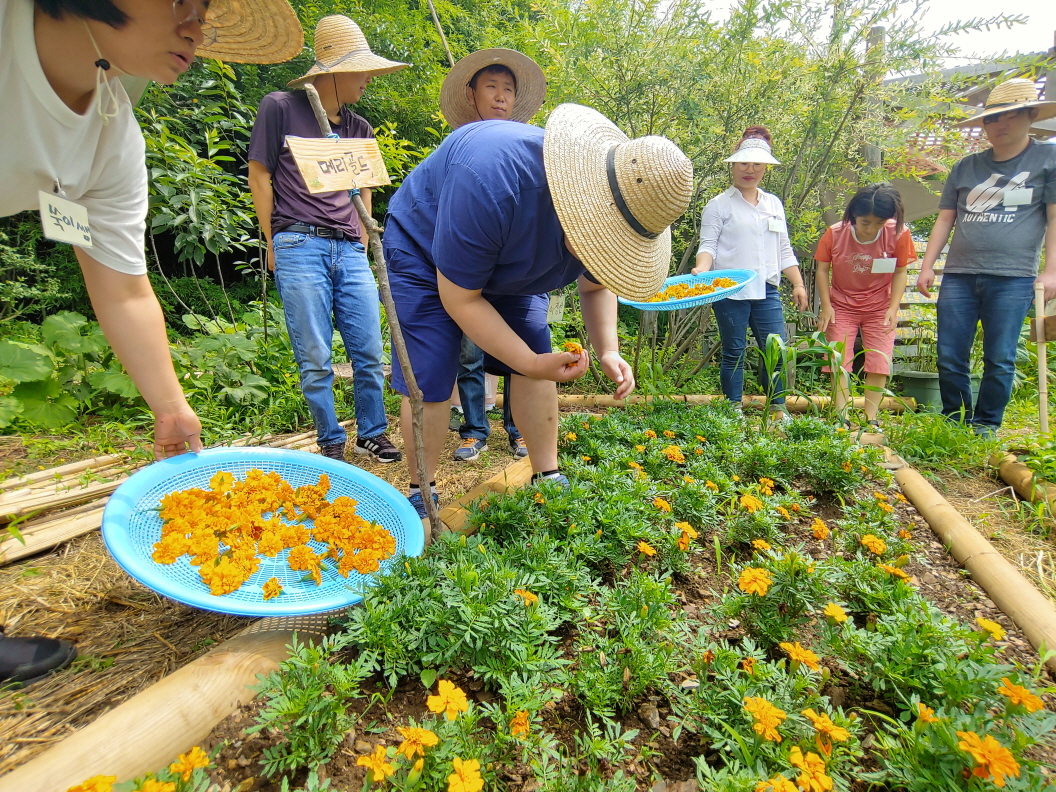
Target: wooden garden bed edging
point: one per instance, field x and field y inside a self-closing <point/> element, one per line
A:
<point x="793" y="403"/>
<point x="1021" y="479"/>
<point x="1031" y="611"/>
<point x="513" y="476"/>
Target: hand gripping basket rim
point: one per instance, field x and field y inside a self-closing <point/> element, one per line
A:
<point x="742" y="276"/>
<point x="130" y="528"/>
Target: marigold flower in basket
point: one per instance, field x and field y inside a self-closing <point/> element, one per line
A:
<point x="835" y="614"/>
<point x="754" y="580"/>
<point x="874" y="544"/>
<point x="415" y="741"/>
<point x="991" y="757"/>
<point x="376" y="764"/>
<point x="767" y="717"/>
<point x="272" y="588"/>
<point x="812" y="776"/>
<point x="662" y="504"/>
<point x="99" y="783"/>
<point x="776" y="784"/>
<point x="187" y="763"/>
<point x="751" y="503"/>
<point x="519" y="726"/>
<point x="798" y="653"/>
<point x="828" y="732"/>
<point x="996" y="631"/>
<point x="449" y="700"/>
<point x="466" y="777"/>
<point x="1019" y="696"/>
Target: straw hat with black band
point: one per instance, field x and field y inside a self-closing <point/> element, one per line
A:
<point x="1013" y="94"/>
<point x="340" y="46"/>
<point x="616" y="198"/>
<point x="455" y="103"/>
<point x="253" y="31"/>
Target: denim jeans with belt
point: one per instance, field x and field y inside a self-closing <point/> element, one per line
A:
<point x="734" y="317"/>
<point x="1001" y="303"/>
<point x="471" y="393"/>
<point x="324" y="282"/>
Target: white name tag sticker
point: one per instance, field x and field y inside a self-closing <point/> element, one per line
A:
<point x="64" y="221"/>
<point x="1020" y="197"/>
<point x="555" y="312"/>
<point x="775" y="224"/>
<point x="884" y="265"/>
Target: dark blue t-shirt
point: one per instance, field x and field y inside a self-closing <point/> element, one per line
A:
<point x="479" y="210"/>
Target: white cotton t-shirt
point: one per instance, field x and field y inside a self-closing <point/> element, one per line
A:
<point x="100" y="166"/>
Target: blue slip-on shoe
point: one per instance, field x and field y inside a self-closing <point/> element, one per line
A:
<point x="418" y="502"/>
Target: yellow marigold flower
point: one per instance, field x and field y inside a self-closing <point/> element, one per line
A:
<point x="674" y="453"/>
<point x="450" y="700"/>
<point x="650" y="434"/>
<point x="901" y="498"/>
<point x="153" y="785"/>
<point x="784" y="512"/>
<point x="828" y="732"/>
<point x="904" y="534"/>
<point x="887" y="507"/>
<point x="519" y="726"/>
<point x="272" y="588"/>
<point x="688" y="479"/>
<point x="586" y="458"/>
<point x="571" y="437"/>
<point x="820" y="529"/>
<point x="991" y="757"/>
<point x="846" y="466"/>
<point x="646" y="549"/>
<point x="1018" y="695"/>
<point x="997" y="632"/>
<point x="669" y="434"/>
<point x="708" y="657"/>
<point x="795" y="508"/>
<point x="698" y="451"/>
<point x="415" y="741"/>
<point x="539" y="498"/>
<point x="754" y="580"/>
<point x="760" y="544"/>
<point x="736" y="478"/>
<point x="662" y="504"/>
<point x="702" y="439"/>
<point x="766" y="482"/>
<point x="873" y="544"/>
<point x="711" y="485"/>
<point x="776" y="784"/>
<point x="835" y="613"/>
<point x="376" y="764"/>
<point x="686" y="528"/>
<point x="812" y="776"/>
<point x="528" y="597"/>
<point x="187" y="763"/>
<point x="639" y="448"/>
<point x="798" y="653"/>
<point x="751" y="503"/>
<point x="880" y="496"/>
<point x="99" y="783"/>
<point x="895" y="571"/>
<point x="466" y="777"/>
<point x="574" y="347"/>
<point x="925" y="714"/>
<point x="767" y="717"/>
<point x="748" y="665"/>
<point x="221" y="481"/>
<point x="683" y="543"/>
<point x="586" y="425"/>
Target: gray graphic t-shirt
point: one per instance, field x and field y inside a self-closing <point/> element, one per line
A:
<point x="1000" y="211"/>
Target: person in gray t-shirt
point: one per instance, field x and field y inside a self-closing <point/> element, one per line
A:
<point x="1003" y="203"/>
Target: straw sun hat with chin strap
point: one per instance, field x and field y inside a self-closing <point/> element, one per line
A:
<point x="458" y="110"/>
<point x="616" y="198"/>
<point x="1014" y="94"/>
<point x="253" y="31"/>
<point x="340" y="46"/>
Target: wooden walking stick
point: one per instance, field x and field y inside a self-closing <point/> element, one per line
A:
<point x="1043" y="368"/>
<point x="380" y="270"/>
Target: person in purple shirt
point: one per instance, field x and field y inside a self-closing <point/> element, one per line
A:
<point x="315" y="245"/>
<point x="496" y="217"/>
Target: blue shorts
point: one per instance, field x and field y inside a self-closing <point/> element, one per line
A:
<point x="434" y="339"/>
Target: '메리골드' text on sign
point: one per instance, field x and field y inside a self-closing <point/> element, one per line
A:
<point x="64" y="221"/>
<point x="329" y="165"/>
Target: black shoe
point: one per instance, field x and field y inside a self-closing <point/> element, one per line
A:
<point x="27" y="660"/>
<point x="378" y="447"/>
<point x="518" y="447"/>
<point x="333" y="451"/>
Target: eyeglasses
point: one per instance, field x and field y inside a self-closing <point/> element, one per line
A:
<point x="993" y="119"/>
<point x="187" y="11"/>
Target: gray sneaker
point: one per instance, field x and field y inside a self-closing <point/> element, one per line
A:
<point x="333" y="451"/>
<point x="470" y="449"/>
<point x="518" y="447"/>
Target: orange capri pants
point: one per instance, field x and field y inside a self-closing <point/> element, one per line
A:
<point x="879" y="341"/>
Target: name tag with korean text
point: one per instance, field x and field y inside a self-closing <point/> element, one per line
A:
<point x="883" y="265"/>
<point x="775" y="224"/>
<point x="329" y="165"/>
<point x="64" y="221"/>
<point x="555" y="312"/>
<point x="1020" y="197"/>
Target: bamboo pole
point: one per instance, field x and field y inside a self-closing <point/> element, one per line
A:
<point x="381" y="271"/>
<point x="1043" y="368"/>
<point x="793" y="403"/>
<point x="1032" y="612"/>
<point x="52" y="533"/>
<point x="51" y="501"/>
<point x="1021" y="478"/>
<point x="62" y="470"/>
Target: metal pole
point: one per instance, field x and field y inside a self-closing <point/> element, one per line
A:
<point x="1043" y="368"/>
<point x="380" y="270"/>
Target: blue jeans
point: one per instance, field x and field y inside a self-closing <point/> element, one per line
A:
<point x="1001" y="304"/>
<point x="734" y="317"/>
<point x="324" y="282"/>
<point x="471" y="393"/>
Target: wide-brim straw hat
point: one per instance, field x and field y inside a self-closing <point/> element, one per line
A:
<point x="616" y="198"/>
<point x="1012" y="95"/>
<point x="458" y="110"/>
<point x="753" y="150"/>
<point x="253" y="31"/>
<point x="340" y="46"/>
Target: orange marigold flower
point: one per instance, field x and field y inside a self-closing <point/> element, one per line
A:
<point x="450" y="700"/>
<point x="820" y="529"/>
<point x="646" y="549"/>
<point x="650" y="434"/>
<point x="99" y="783"/>
<point x="846" y="466"/>
<point x="711" y="485"/>
<point x="751" y="503"/>
<point x="662" y="504"/>
<point x="736" y="478"/>
<point x="519" y="726"/>
<point x="698" y="451"/>
<point x="812" y="776"/>
<point x="571" y="437"/>
<point x="776" y="784"/>
<point x="187" y="763"/>
<point x="784" y="512"/>
<point x="894" y="571"/>
<point x="702" y="439"/>
<point x="1018" y="695"/>
<point x="795" y="508"/>
<point x="376" y="764"/>
<point x="760" y="544"/>
<point x="754" y="580"/>
<point x="415" y="741"/>
<point x="688" y="479"/>
<point x="466" y="777"/>
<point x="639" y="448"/>
<point x="153" y="785"/>
<point x="669" y="434"/>
<point x="828" y="732"/>
<point x="926" y="714"/>
<point x="874" y="544"/>
<point x="539" y="498"/>
<point x="586" y="458"/>
<point x="674" y="453"/>
<point x="901" y="498"/>
<point x="991" y="757"/>
<point x="887" y="507"/>
<point x="767" y="717"/>
<point x="880" y="496"/>
<point x="221" y="481"/>
<point x="528" y="597"/>
<point x="573" y="347"/>
<point x="835" y="613"/>
<point x="798" y="653"/>
<point x="904" y="534"/>
<point x="272" y="588"/>
<point x="223" y="577"/>
<point x="997" y="632"/>
<point x="748" y="665"/>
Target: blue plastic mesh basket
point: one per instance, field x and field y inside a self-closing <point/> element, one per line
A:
<point x="131" y="526"/>
<point x="743" y="278"/>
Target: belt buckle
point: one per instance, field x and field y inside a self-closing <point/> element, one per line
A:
<point x="325" y="233"/>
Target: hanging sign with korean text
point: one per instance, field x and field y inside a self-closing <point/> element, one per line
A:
<point x="329" y="165"/>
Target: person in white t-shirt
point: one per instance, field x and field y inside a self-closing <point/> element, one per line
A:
<point x="67" y="129"/>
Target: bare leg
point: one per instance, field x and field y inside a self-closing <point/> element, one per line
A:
<point x="434" y="431"/>
<point x="535" y="413"/>
<point x="874" y="392"/>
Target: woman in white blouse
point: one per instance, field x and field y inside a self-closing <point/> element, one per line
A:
<point x="744" y="228"/>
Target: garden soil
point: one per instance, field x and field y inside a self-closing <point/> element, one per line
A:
<point x="128" y="636"/>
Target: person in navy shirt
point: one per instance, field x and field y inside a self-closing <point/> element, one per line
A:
<point x="496" y="217"/>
